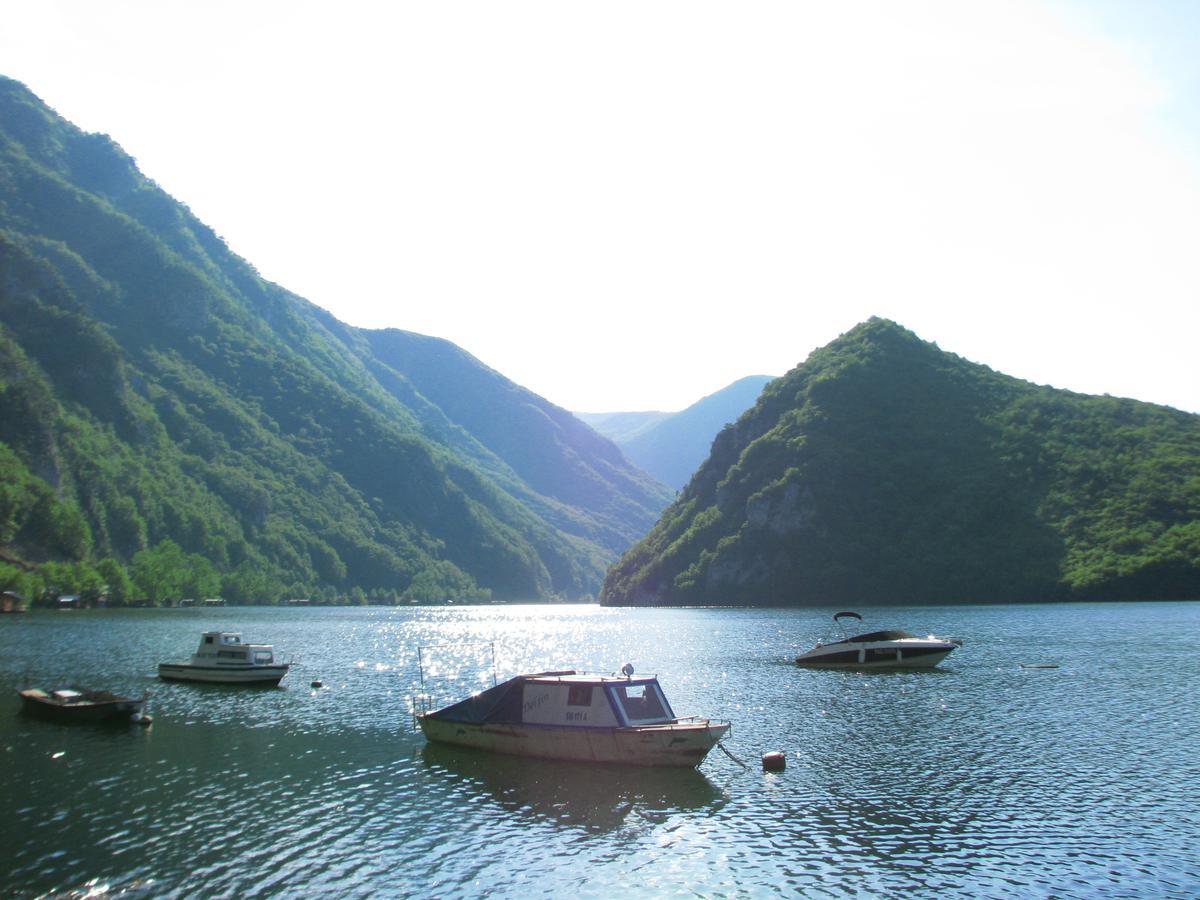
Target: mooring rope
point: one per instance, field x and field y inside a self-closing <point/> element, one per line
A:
<point x="731" y="756"/>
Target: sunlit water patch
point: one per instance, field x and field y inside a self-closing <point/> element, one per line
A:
<point x="981" y="778"/>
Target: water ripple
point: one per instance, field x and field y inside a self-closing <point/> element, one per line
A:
<point x="981" y="779"/>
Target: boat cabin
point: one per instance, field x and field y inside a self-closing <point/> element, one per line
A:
<point x="226" y="648"/>
<point x="565" y="699"/>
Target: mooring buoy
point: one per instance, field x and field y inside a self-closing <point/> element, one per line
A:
<point x="774" y="762"/>
<point x="317" y="683"/>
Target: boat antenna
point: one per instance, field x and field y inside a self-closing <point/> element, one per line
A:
<point x="421" y="667"/>
<point x="494" y="682"/>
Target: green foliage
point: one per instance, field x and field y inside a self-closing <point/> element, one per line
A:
<point x="19" y="581"/>
<point x="164" y="408"/>
<point x="119" y="587"/>
<point x="884" y="470"/>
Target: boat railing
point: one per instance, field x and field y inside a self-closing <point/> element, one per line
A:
<point x="439" y="683"/>
<point x="421" y="704"/>
<point x="688" y="720"/>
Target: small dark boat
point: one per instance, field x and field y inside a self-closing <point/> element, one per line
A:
<point x="80" y="705"/>
<point x="891" y="649"/>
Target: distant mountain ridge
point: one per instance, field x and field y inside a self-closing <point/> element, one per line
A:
<point x="159" y="401"/>
<point x="671" y="446"/>
<point x="623" y="426"/>
<point x="885" y="470"/>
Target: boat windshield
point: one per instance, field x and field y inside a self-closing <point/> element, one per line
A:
<point x="889" y="635"/>
<point x="642" y="703"/>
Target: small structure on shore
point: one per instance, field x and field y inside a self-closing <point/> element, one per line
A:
<point x="12" y="602"/>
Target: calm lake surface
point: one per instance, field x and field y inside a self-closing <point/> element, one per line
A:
<point x="981" y="778"/>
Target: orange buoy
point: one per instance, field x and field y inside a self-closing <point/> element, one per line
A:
<point x="774" y="762"/>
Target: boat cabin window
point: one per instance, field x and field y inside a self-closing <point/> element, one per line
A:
<point x="262" y="656"/>
<point x="579" y="695"/>
<point x="232" y="654"/>
<point x="208" y="639"/>
<point x="641" y="702"/>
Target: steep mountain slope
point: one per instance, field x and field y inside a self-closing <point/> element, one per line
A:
<point x="537" y="451"/>
<point x="672" y="449"/>
<point x="883" y="469"/>
<point x="160" y="398"/>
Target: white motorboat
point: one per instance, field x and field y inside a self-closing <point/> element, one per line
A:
<point x="223" y="658"/>
<point x="890" y="649"/>
<point x="584" y="718"/>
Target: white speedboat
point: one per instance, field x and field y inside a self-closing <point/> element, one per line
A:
<point x="584" y="718"/>
<point x="878" y="650"/>
<point x="222" y="658"/>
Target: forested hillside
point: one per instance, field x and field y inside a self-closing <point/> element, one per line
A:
<point x="173" y="425"/>
<point x="884" y="470"/>
<point x="671" y="446"/>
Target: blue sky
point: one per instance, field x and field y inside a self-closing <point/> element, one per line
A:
<point x="628" y="205"/>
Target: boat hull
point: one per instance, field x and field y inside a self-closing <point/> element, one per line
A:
<point x="256" y="675"/>
<point x="38" y="703"/>
<point x="917" y="655"/>
<point x="678" y="745"/>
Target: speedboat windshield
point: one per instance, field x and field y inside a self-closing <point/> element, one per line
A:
<point x="890" y="635"/>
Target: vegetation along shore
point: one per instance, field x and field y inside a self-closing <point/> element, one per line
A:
<point x="174" y="426"/>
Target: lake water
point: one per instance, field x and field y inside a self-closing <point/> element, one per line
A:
<point x="981" y="778"/>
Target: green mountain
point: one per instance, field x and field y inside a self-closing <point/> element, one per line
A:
<point x="167" y="415"/>
<point x="884" y="470"/>
<point x="671" y="446"/>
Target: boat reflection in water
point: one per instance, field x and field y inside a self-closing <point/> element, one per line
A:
<point x="582" y="718"/>
<point x="597" y="799"/>
<point x="891" y="649"/>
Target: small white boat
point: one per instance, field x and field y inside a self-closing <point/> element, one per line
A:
<point x="583" y="718"/>
<point x="223" y="658"/>
<point x="878" y="650"/>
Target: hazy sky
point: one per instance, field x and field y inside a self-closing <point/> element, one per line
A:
<point x="629" y="205"/>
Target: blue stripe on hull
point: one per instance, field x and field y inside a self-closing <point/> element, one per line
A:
<point x="222" y="674"/>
